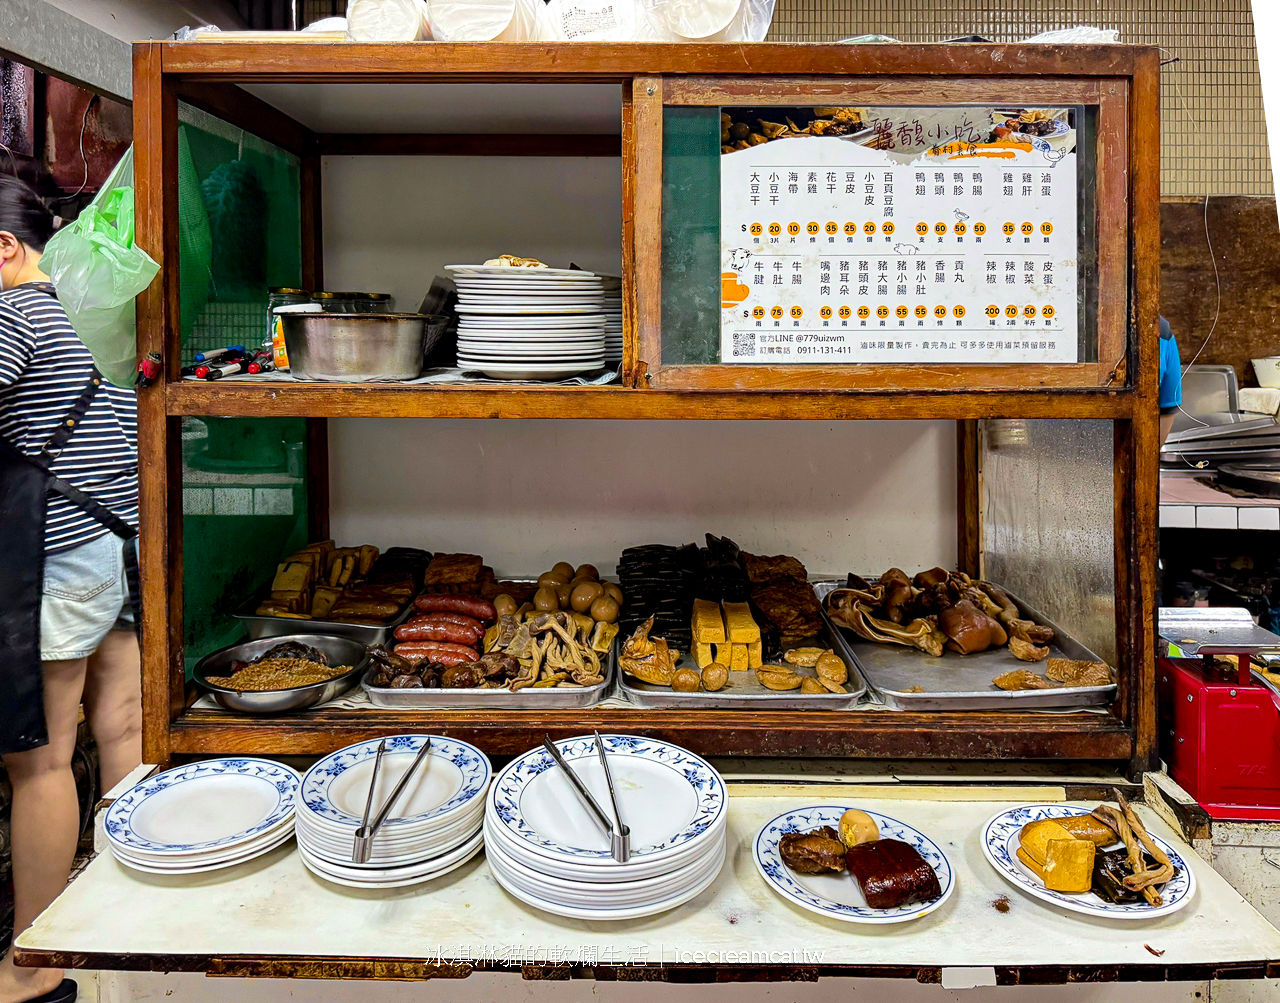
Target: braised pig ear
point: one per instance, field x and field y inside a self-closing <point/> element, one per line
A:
<point x="998" y="634"/>
<point x="1026" y="630"/>
<point x="896" y="596"/>
<point x="930" y="578"/>
<point x="968" y="629"/>
<point x="1008" y="608"/>
<point x="894" y="575"/>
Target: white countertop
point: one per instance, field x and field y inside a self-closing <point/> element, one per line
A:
<point x="273" y="907"/>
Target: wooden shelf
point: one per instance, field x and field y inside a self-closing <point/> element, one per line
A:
<point x="878" y="734"/>
<point x="314" y="100"/>
<point x="545" y="62"/>
<point x="386" y="400"/>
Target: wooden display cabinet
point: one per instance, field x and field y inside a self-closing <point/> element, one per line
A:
<point x="1117" y="384"/>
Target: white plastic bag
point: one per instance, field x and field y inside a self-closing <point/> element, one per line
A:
<point x="387" y="20"/>
<point x="1079" y="35"/>
<point x="594" y="20"/>
<point x="709" y="20"/>
<point x="484" y="20"/>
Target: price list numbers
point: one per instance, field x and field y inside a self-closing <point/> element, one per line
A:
<point x="855" y="255"/>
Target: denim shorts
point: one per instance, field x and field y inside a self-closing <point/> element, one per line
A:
<point x="85" y="596"/>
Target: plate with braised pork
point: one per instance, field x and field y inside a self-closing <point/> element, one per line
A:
<point x="1101" y="863"/>
<point x="853" y="865"/>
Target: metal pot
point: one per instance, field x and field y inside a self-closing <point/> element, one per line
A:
<point x="357" y="347"/>
<point x="339" y="650"/>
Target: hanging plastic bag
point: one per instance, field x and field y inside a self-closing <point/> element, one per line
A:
<point x="98" y="269"/>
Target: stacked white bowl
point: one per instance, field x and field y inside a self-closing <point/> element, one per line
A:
<point x="203" y="816"/>
<point x="433" y="827"/>
<point x="529" y="323"/>
<point x="544" y="847"/>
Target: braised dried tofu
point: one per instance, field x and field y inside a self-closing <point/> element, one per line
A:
<point x="708" y="626"/>
<point x="739" y="626"/>
<point x="703" y="654"/>
<point x="738" y="659"/>
<point x="1068" y="865"/>
<point x="447" y="569"/>
<point x="293" y="576"/>
<point x="755" y="655"/>
<point x="1031" y="863"/>
<point x="1035" y="837"/>
<point x="323" y="599"/>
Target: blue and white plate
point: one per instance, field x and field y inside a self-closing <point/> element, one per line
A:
<point x="335" y="790"/>
<point x="674" y="802"/>
<point x="1000" y="841"/>
<point x="203" y="808"/>
<point x="837" y="896"/>
<point x="536" y="894"/>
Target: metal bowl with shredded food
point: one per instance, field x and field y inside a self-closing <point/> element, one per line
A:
<point x="245" y="677"/>
<point x="277" y="674"/>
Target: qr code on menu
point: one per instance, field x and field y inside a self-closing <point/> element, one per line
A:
<point x="744" y="344"/>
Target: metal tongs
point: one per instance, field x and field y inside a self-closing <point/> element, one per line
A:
<point x="363" y="848"/>
<point x="619" y="834"/>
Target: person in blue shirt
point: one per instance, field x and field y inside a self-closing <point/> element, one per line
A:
<point x="1170" y="379"/>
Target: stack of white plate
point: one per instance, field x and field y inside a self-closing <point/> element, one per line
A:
<point x="433" y="828"/>
<point x="529" y="323"/>
<point x="203" y="816"/>
<point x="544" y="847"/>
<point x="612" y="320"/>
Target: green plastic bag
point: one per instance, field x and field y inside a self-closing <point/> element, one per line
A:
<point x="97" y="270"/>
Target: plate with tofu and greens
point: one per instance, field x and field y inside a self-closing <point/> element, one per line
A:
<point x="732" y="665"/>
<point x="1101" y="862"/>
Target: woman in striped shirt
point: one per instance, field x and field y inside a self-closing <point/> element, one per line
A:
<point x="67" y="635"/>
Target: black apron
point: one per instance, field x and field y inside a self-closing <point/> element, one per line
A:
<point x="25" y="483"/>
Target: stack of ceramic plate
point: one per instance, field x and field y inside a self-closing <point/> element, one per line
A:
<point x="544" y="847"/>
<point x="203" y="816"/>
<point x="612" y="320"/>
<point x="433" y="827"/>
<point x="529" y="323"/>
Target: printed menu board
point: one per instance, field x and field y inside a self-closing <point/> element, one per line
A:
<point x="898" y="235"/>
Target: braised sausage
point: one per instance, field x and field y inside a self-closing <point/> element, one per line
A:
<point x="481" y="609"/>
<point x="457" y="619"/>
<point x="437" y="651"/>
<point x="427" y="628"/>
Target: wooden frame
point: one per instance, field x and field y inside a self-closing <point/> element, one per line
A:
<point x="1122" y="80"/>
<point x="1107" y="95"/>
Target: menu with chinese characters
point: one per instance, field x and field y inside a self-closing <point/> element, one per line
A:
<point x="932" y="242"/>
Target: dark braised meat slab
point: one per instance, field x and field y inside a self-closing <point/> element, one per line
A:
<point x="892" y="873"/>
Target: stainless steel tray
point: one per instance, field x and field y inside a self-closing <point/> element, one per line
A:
<point x="552" y="697"/>
<point x="1218" y="630"/>
<point x="963" y="682"/>
<point x="745" y="692"/>
<point x="278" y="626"/>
